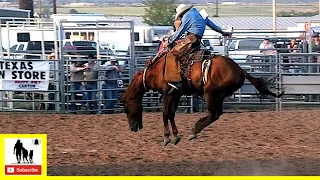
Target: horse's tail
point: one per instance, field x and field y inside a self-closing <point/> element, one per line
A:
<point x="263" y="85"/>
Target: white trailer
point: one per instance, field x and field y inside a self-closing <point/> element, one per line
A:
<point x="9" y="36"/>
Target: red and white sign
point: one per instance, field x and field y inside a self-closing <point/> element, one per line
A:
<point x="24" y="75"/>
<point x="26" y="158"/>
<point x="23" y="170"/>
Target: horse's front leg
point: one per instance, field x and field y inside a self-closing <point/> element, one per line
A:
<point x="167" y="102"/>
<point x="174" y="102"/>
<point x="166" y="140"/>
<point x="170" y="105"/>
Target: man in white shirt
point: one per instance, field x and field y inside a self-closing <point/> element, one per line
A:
<point x="267" y="47"/>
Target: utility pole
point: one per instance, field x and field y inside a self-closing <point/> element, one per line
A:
<point x="28" y="5"/>
<point x="40" y="8"/>
<point x="54" y="11"/>
<point x="274" y="15"/>
<point x="217" y="15"/>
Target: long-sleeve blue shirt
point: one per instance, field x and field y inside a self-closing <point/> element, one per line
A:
<point x="194" y="23"/>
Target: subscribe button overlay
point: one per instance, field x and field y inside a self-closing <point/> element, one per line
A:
<point x="24" y="154"/>
<point x="23" y="170"/>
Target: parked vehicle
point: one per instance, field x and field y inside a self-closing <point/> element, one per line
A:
<point x="22" y="50"/>
<point x="83" y="48"/>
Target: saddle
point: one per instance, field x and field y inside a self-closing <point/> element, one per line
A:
<point x="186" y="61"/>
<point x="196" y="55"/>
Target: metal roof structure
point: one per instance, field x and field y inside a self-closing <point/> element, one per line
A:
<point x="7" y="14"/>
<point x="307" y="19"/>
<point x="78" y="17"/>
<point x="14" y="9"/>
<point x="137" y="20"/>
<point x="256" y="23"/>
<point x="239" y="23"/>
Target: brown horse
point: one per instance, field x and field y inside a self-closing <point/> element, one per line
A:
<point x="224" y="78"/>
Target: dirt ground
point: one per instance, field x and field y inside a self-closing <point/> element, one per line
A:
<point x="257" y="143"/>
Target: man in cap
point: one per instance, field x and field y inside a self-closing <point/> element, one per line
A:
<point x="194" y="24"/>
<point x="267" y="47"/>
<point x="315" y="44"/>
<point x="110" y="86"/>
<point x="91" y="76"/>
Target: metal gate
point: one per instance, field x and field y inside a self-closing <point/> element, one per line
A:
<point x="59" y="96"/>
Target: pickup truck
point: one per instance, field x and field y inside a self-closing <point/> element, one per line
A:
<point x="239" y="50"/>
<point x="20" y="50"/>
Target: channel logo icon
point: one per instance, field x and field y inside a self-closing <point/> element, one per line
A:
<point x="23" y="156"/>
<point x="10" y="170"/>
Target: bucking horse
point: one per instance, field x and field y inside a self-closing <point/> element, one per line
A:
<point x="213" y="76"/>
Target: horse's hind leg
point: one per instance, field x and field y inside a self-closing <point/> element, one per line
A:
<point x="214" y="106"/>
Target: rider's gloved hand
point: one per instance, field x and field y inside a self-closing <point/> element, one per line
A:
<point x="165" y="44"/>
<point x="227" y="34"/>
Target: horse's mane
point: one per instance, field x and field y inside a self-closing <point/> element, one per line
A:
<point x="153" y="60"/>
<point x="134" y="91"/>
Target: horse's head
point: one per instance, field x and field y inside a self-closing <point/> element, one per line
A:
<point x="132" y="103"/>
<point x="133" y="110"/>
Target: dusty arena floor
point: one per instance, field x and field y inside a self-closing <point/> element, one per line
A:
<point x="258" y="143"/>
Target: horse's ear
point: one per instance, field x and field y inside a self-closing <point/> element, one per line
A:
<point x="148" y="62"/>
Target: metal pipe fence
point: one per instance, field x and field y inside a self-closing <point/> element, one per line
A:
<point x="297" y="73"/>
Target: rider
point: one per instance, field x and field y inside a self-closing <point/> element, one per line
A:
<point x="194" y="24"/>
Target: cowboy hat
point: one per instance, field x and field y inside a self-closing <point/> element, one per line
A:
<point x="266" y="38"/>
<point x="51" y="55"/>
<point x="182" y="8"/>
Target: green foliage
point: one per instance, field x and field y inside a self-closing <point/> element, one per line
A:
<point x="292" y="13"/>
<point x="159" y="12"/>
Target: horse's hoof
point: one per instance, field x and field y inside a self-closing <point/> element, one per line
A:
<point x="166" y="141"/>
<point x="176" y="140"/>
<point x="192" y="137"/>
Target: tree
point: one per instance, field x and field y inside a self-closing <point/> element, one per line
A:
<point x="159" y="12"/>
<point x="293" y="13"/>
<point x="73" y="11"/>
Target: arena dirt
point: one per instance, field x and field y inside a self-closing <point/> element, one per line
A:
<point x="257" y="143"/>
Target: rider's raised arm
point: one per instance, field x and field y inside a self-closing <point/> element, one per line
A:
<point x="213" y="26"/>
<point x="186" y="22"/>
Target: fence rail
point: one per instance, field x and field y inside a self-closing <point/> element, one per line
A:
<point x="297" y="73"/>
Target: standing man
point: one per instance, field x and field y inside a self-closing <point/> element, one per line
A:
<point x="193" y="24"/>
<point x="91" y="82"/>
<point x="110" y="85"/>
<point x="77" y="76"/>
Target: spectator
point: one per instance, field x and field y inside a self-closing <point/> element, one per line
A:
<point x="267" y="47"/>
<point x="295" y="59"/>
<point x="110" y="85"/>
<point x="91" y="78"/>
<point x="77" y="76"/>
<point x="315" y="44"/>
<point x="291" y="46"/>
